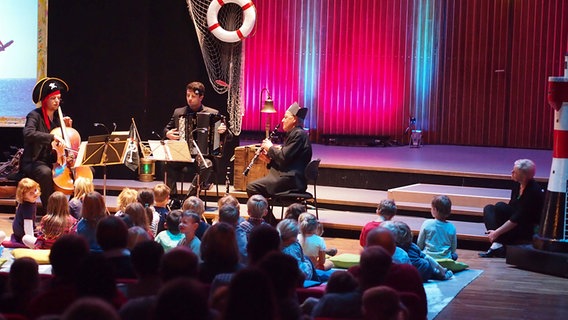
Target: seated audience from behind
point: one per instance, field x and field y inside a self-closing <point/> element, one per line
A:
<point x="257" y="208"/>
<point x="404" y="278"/>
<point x="136" y="235"/>
<point x="182" y="299"/>
<point x="125" y="197"/>
<point x="230" y="215"/>
<point x="82" y="186"/>
<point x="289" y="230"/>
<point x="66" y="256"/>
<point x="93" y="211"/>
<point x="312" y="244"/>
<point x="145" y="259"/>
<point x="426" y="265"/>
<point x="196" y="205"/>
<point x="90" y="308"/>
<point x="56" y="223"/>
<point x="146" y="198"/>
<point x="374" y="264"/>
<point x="188" y="225"/>
<point x="437" y="237"/>
<point x="171" y="236"/>
<point x="283" y="272"/>
<point x="383" y="303"/>
<point x="98" y="280"/>
<point x="219" y="252"/>
<point x="161" y="200"/>
<point x="294" y="211"/>
<point x="379" y="237"/>
<point x="23" y="283"/>
<point x="339" y="282"/>
<point x="112" y="236"/>
<point x="263" y="240"/>
<point x="251" y="296"/>
<point x="386" y="210"/>
<point x="229" y="200"/>
<point x="135" y="215"/>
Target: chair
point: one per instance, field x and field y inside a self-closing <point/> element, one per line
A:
<point x="288" y="197"/>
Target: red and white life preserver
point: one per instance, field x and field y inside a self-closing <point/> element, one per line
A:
<point x="249" y="13"/>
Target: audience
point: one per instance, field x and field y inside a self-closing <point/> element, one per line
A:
<point x="437" y="237"/>
<point x="383" y="303"/>
<point x="312" y="244"/>
<point x="230" y="214"/>
<point x="288" y="230"/>
<point x="145" y="257"/>
<point x="112" y="236"/>
<point x="197" y="206"/>
<point x="90" y="308"/>
<point x="386" y="210"/>
<point x="146" y="198"/>
<point x="251" y="296"/>
<point x="257" y="208"/>
<point x="219" y="252"/>
<point x="135" y="215"/>
<point x="125" y="197"/>
<point x="188" y="225"/>
<point x="23" y="282"/>
<point x="93" y="211"/>
<point x="54" y="224"/>
<point x="171" y="236"/>
<point x="82" y="186"/>
<point x="161" y="200"/>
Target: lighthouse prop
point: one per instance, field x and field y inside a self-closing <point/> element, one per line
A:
<point x="553" y="233"/>
<point x="549" y="251"/>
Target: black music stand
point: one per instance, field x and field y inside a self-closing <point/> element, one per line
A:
<point x="104" y="150"/>
<point x="170" y="151"/>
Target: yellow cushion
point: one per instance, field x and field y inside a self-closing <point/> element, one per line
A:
<point x="345" y="260"/>
<point x="41" y="256"/>
<point x="450" y="264"/>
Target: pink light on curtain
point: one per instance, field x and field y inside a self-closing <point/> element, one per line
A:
<point x="345" y="60"/>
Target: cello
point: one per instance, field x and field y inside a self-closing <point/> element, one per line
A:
<point x="64" y="174"/>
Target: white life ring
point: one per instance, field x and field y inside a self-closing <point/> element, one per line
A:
<point x="249" y="12"/>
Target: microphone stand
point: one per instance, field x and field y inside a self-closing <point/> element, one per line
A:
<point x="104" y="158"/>
<point x="202" y="158"/>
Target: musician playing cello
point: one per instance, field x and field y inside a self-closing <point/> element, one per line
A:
<point x="288" y="162"/>
<point x="194" y="94"/>
<point x="39" y="154"/>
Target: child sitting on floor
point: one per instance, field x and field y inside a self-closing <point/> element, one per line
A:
<point x="82" y="186"/>
<point x="27" y="193"/>
<point x="386" y="210"/>
<point x="188" y="226"/>
<point x="161" y="199"/>
<point x="312" y="244"/>
<point x="288" y="230"/>
<point x="170" y="237"/>
<point x="426" y="265"/>
<point x="54" y="224"/>
<point x="437" y="237"/>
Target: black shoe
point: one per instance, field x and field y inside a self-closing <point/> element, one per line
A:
<point x="493" y="253"/>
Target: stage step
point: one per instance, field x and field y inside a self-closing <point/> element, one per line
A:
<point x="465" y="200"/>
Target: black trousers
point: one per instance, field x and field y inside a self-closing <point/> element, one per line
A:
<point x="180" y="171"/>
<point x="496" y="215"/>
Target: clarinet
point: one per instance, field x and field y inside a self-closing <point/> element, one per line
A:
<point x="259" y="151"/>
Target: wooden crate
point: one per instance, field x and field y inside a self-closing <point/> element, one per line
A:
<point x="243" y="156"/>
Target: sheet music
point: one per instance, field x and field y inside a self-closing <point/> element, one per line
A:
<point x="170" y="150"/>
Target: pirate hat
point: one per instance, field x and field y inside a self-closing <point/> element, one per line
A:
<point x="296" y="110"/>
<point x="47" y="86"/>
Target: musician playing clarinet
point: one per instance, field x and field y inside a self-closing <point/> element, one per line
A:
<point x="288" y="162"/>
<point x="194" y="94"/>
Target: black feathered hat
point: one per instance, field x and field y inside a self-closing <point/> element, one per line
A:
<point x="296" y="110"/>
<point x="47" y="86"/>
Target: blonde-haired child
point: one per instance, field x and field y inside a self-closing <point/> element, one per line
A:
<point x="313" y="244"/>
<point x="161" y="200"/>
<point x="54" y="224"/>
<point x="82" y="186"/>
<point x="125" y="197"/>
<point x="27" y="193"/>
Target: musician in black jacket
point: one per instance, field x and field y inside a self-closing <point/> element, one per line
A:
<point x="195" y="92"/>
<point x="287" y="162"/>
<point x="39" y="156"/>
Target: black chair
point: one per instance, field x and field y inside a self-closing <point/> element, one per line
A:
<point x="286" y="198"/>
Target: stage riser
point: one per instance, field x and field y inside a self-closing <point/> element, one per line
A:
<point x="528" y="258"/>
<point x="384" y="180"/>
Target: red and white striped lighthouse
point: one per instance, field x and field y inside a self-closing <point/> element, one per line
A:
<point x="553" y="233"/>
